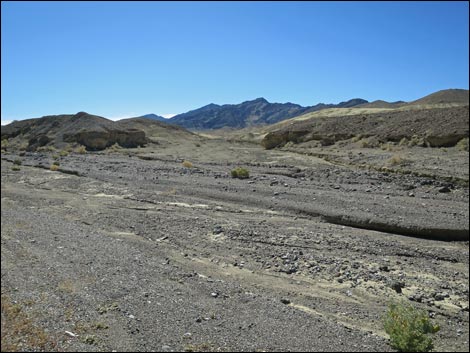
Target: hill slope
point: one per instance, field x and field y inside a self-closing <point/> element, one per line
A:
<point x="94" y="132"/>
<point x="447" y="96"/>
<point x="436" y="127"/>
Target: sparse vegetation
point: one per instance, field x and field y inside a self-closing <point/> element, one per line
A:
<point x="17" y="161"/>
<point x="19" y="332"/>
<point x="15" y="168"/>
<point x="416" y="141"/>
<point x="54" y="167"/>
<point x="46" y="149"/>
<point x="63" y="153"/>
<point x="187" y="164"/>
<point x="240" y="173"/>
<point x="396" y="159"/>
<point x="56" y="163"/>
<point x="80" y="150"/>
<point x="114" y="148"/>
<point x="356" y="138"/>
<point x="408" y="328"/>
<point x="387" y="146"/>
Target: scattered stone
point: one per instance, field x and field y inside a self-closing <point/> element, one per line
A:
<point x="214" y="294"/>
<point x="285" y="301"/>
<point x="218" y="229"/>
<point x="440" y="296"/>
<point x="71" y="334"/>
<point x="444" y="189"/>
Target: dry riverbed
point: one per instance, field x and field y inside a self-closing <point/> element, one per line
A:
<point x="132" y="251"/>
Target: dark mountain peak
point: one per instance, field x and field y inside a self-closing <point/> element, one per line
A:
<point x="153" y="117"/>
<point x="352" y="102"/>
<point x="81" y="114"/>
<point x="260" y="100"/>
<point x="209" y="107"/>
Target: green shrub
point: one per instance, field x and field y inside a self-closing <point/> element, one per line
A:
<point x="17" y="161"/>
<point x="240" y="173"/>
<point x="408" y="328"/>
<point x="15" y="168"/>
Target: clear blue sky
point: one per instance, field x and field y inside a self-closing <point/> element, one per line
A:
<point x="130" y="58"/>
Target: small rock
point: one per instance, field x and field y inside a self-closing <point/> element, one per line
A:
<point x="444" y="189"/>
<point x="440" y="296"/>
<point x="214" y="294"/>
<point x="397" y="286"/>
<point x="285" y="301"/>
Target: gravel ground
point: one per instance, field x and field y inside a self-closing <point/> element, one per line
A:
<point x="139" y="253"/>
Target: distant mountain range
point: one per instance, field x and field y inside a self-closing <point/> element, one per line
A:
<point x="250" y="113"/>
<point x="259" y="111"/>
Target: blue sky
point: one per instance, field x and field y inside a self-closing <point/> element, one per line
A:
<point x="121" y="59"/>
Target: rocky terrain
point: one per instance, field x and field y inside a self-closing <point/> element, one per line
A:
<point x="429" y="127"/>
<point x="134" y="236"/>
<point x="91" y="131"/>
<point x="159" y="249"/>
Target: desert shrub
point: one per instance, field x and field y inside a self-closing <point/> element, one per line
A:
<point x="356" y="138"/>
<point x="17" y="161"/>
<point x="364" y="143"/>
<point x="54" y="167"/>
<point x="23" y="146"/>
<point x="15" y="168"/>
<point x="462" y="145"/>
<point x="187" y="164"/>
<point x="416" y="141"/>
<point x="46" y="149"/>
<point x="114" y="147"/>
<point x="5" y="144"/>
<point x="81" y="150"/>
<point x="56" y="163"/>
<point x="63" y="153"/>
<point x="240" y="173"/>
<point x="387" y="146"/>
<point x="403" y="142"/>
<point x="396" y="159"/>
<point x="408" y="328"/>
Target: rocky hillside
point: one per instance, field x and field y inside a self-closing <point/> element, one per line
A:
<point x="93" y="132"/>
<point x="433" y="127"/>
<point x="249" y="113"/>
